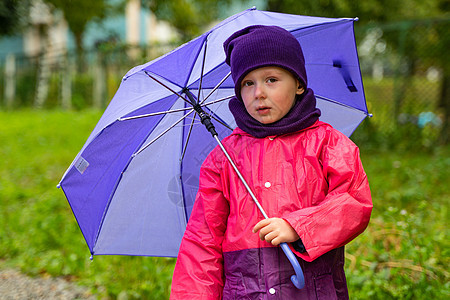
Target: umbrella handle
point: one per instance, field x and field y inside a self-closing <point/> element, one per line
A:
<point x="298" y="279"/>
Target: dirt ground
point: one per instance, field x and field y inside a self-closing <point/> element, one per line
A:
<point x="14" y="285"/>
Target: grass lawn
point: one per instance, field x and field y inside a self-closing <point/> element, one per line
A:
<point x="404" y="253"/>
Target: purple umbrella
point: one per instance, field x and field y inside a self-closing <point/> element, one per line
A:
<point x="133" y="184"/>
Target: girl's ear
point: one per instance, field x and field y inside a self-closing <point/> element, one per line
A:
<point x="300" y="90"/>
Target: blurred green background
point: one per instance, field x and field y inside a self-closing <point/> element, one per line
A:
<point x="48" y="107"/>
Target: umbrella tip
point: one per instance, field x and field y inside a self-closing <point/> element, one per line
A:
<point x="92" y="257"/>
<point x="355" y="19"/>
<point x="253" y="8"/>
<point x="370" y="115"/>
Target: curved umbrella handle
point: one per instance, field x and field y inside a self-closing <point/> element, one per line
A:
<point x="298" y="279"/>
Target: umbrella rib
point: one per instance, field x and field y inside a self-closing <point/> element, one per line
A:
<point x="162" y="133"/>
<point x="223" y="123"/>
<point x="188" y="137"/>
<point x="341" y="104"/>
<point x="203" y="69"/>
<point x="153" y="114"/>
<point x="167" y="87"/>
<point x="216" y="87"/>
<point x="216" y="101"/>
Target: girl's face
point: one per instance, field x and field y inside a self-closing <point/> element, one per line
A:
<point x="269" y="93"/>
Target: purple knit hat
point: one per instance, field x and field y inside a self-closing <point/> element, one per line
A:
<point x="260" y="46"/>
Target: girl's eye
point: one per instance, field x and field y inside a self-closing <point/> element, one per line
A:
<point x="271" y="80"/>
<point x="247" y="83"/>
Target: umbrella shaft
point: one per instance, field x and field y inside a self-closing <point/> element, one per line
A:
<point x="298" y="279"/>
<point x="241" y="177"/>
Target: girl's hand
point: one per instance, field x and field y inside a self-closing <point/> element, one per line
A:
<point x="276" y="231"/>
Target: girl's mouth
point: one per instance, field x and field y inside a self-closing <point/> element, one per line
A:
<point x="263" y="110"/>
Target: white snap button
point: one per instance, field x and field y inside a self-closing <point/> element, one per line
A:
<point x="272" y="291"/>
<point x="267" y="184"/>
<point x="271" y="138"/>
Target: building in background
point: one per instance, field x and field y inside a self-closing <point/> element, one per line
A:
<point x="48" y="31"/>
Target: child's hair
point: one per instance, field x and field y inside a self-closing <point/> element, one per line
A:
<point x="260" y="46"/>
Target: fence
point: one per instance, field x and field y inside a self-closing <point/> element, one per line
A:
<point x="404" y="66"/>
<point x="63" y="79"/>
<point x="406" y="81"/>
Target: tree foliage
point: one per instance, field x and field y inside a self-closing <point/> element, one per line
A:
<point x="11" y="12"/>
<point x="188" y="17"/>
<point x="79" y="13"/>
<point x="367" y="11"/>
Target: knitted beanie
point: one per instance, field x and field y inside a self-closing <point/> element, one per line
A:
<point x="260" y="46"/>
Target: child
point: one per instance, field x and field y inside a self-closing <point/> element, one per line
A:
<point x="306" y="175"/>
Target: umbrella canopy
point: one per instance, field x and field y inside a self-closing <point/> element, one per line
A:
<point x="133" y="184"/>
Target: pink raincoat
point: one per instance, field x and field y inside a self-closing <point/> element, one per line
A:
<point x="313" y="179"/>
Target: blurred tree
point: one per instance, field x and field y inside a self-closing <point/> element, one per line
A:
<point x="79" y="13"/>
<point x="367" y="11"/>
<point x="11" y="15"/>
<point x="189" y="17"/>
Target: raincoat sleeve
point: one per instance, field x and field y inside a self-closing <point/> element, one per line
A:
<point x="345" y="211"/>
<point x="199" y="272"/>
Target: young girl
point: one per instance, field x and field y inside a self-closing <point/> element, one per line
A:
<point x="307" y="176"/>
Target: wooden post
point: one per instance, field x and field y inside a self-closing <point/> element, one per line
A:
<point x="132" y="18"/>
<point x="66" y="82"/>
<point x="42" y="80"/>
<point x="10" y="80"/>
<point x="99" y="82"/>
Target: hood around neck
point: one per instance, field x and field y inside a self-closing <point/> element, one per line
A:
<point x="302" y="115"/>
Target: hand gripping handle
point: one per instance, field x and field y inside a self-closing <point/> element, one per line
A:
<point x="298" y="279"/>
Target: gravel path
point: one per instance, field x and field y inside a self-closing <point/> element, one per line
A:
<point x="14" y="285"/>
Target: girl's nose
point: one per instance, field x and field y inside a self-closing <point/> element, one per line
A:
<point x="259" y="91"/>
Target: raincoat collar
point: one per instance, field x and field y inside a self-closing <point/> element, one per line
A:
<point x="238" y="131"/>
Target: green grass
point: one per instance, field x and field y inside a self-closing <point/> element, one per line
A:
<point x="402" y="255"/>
<point x="38" y="233"/>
